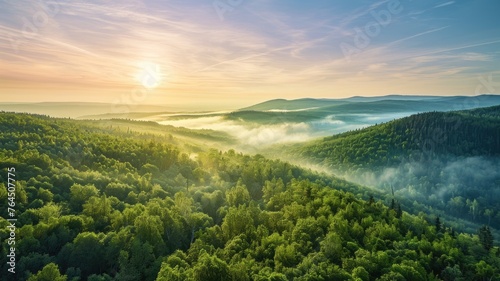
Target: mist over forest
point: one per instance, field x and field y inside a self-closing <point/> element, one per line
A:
<point x="284" y="190"/>
<point x="430" y="179"/>
<point x="232" y="140"/>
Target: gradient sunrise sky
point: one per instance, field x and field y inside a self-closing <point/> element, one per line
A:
<point x="239" y="52"/>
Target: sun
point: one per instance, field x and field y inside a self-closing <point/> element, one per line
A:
<point x="149" y="75"/>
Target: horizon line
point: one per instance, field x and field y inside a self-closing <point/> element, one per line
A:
<point x="294" y="99"/>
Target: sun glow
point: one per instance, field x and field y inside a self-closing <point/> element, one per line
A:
<point x="150" y="75"/>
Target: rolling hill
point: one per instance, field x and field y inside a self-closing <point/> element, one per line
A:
<point x="447" y="160"/>
<point x="460" y="133"/>
<point x="410" y="103"/>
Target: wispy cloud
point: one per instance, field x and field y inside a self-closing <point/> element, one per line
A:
<point x="353" y="17"/>
<point x="263" y="50"/>
<point x="444" y="4"/>
<point x="454" y="57"/>
<point x="416" y="35"/>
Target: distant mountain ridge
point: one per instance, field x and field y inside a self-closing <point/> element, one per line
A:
<point x="93" y="110"/>
<point x="460" y="102"/>
<point x="309" y="108"/>
<point x="292" y="104"/>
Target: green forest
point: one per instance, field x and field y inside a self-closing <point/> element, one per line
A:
<point x="446" y="163"/>
<point x="459" y="133"/>
<point x="96" y="202"/>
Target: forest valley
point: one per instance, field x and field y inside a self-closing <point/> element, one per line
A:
<point x="128" y="200"/>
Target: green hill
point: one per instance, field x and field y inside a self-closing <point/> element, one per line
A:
<point x="92" y="203"/>
<point x="448" y="160"/>
<point x="460" y="133"/>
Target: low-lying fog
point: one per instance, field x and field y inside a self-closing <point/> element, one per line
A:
<point x="261" y="135"/>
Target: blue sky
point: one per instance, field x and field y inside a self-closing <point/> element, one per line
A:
<point x="237" y="52"/>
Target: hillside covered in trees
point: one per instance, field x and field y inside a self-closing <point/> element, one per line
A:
<point x="448" y="160"/>
<point x="459" y="133"/>
<point x="96" y="203"/>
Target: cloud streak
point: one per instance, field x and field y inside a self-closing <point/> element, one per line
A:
<point x="262" y="50"/>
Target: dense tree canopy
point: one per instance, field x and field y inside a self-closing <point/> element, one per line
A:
<point x="96" y="205"/>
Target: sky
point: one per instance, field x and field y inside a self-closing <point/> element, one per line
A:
<point x="233" y="53"/>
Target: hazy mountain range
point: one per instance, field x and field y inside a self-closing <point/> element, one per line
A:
<point x="273" y="121"/>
